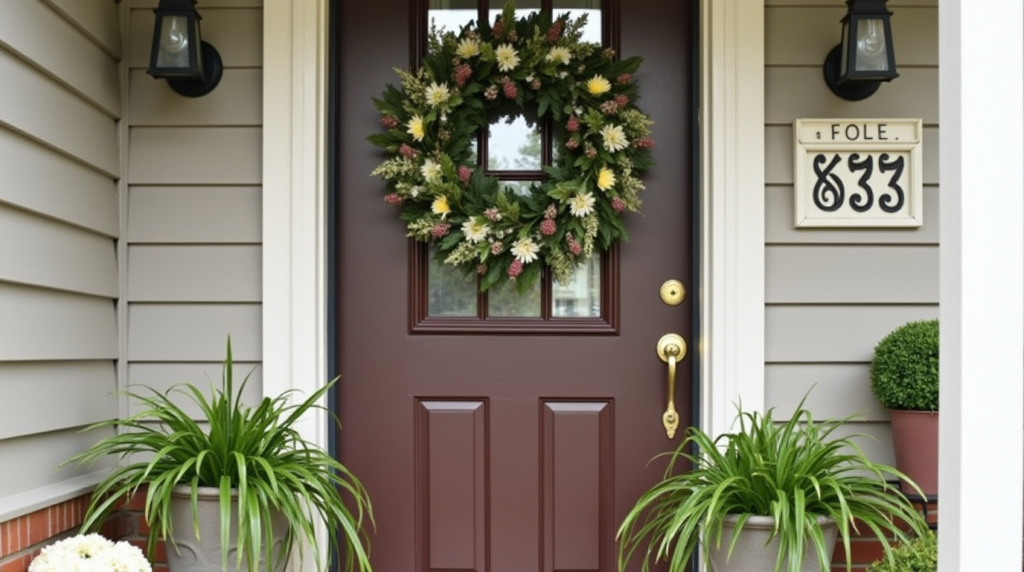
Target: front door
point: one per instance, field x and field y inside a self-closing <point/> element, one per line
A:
<point x="516" y="443"/>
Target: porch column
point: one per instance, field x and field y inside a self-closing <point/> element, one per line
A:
<point x="981" y="60"/>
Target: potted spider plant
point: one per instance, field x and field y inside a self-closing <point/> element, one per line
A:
<point x="236" y="464"/>
<point x="770" y="496"/>
<point x="905" y="379"/>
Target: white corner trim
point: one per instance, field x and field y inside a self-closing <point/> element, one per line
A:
<point x="732" y="187"/>
<point x="981" y="302"/>
<point x="294" y="236"/>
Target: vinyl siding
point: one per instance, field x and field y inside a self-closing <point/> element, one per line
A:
<point x="193" y="238"/>
<point x="831" y="294"/>
<point x="60" y="108"/>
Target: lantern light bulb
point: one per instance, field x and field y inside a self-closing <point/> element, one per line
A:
<point x="871" y="49"/>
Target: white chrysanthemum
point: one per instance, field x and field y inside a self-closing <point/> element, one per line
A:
<point x="90" y="553"/>
<point x="468" y="48"/>
<point x="559" y="55"/>
<point x="507" y="56"/>
<point x="437" y="94"/>
<point x="614" y="138"/>
<point x="475" y="230"/>
<point x="525" y="250"/>
<point x="582" y="204"/>
<point x="431" y="171"/>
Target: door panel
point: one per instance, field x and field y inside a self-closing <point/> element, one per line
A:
<point x="518" y="451"/>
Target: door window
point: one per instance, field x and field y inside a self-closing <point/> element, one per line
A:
<point x="514" y="148"/>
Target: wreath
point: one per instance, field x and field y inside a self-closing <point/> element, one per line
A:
<point x="601" y="142"/>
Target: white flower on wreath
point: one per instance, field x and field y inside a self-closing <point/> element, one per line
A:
<point x="90" y="553"/>
<point x="559" y="55"/>
<point x="525" y="250"/>
<point x="437" y="94"/>
<point x="468" y="48"/>
<point x="431" y="171"/>
<point x="614" y="138"/>
<point x="507" y="56"/>
<point x="475" y="230"/>
<point x="582" y="204"/>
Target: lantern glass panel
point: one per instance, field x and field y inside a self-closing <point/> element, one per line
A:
<point x="174" y="43"/>
<point x="872" y="53"/>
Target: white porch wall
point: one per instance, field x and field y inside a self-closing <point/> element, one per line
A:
<point x="982" y="285"/>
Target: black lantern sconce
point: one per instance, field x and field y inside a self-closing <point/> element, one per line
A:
<point x="864" y="59"/>
<point x="191" y="66"/>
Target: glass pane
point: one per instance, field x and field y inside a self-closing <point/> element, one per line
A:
<point x="513" y="144"/>
<point x="581" y="297"/>
<point x="450" y="15"/>
<point x="505" y="302"/>
<point x="452" y="293"/>
<point x="576" y="9"/>
<point x="521" y="188"/>
<point x="523" y="7"/>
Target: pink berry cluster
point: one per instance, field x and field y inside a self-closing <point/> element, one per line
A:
<point x="574" y="247"/>
<point x="555" y="31"/>
<point x="464" y="174"/>
<point x="462" y="74"/>
<point x="440" y="229"/>
<point x="515" y="269"/>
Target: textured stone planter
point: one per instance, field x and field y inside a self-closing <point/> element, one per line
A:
<point x="186" y="553"/>
<point x="915" y="438"/>
<point x="753" y="555"/>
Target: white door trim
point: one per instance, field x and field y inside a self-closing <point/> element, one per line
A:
<point x="732" y="234"/>
<point x="294" y="216"/>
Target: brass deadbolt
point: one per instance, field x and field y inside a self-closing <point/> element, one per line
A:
<point x="673" y="292"/>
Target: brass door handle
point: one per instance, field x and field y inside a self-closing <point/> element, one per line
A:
<point x="672" y="350"/>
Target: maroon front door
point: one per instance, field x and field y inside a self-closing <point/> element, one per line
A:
<point x="504" y="449"/>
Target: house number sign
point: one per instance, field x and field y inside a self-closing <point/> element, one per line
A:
<point x="858" y="172"/>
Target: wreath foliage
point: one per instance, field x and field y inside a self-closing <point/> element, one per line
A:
<point x="540" y="66"/>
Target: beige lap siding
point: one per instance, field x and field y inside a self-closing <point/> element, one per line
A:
<point x="831" y="294"/>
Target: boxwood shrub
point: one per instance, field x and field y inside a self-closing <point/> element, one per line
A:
<point x="905" y="367"/>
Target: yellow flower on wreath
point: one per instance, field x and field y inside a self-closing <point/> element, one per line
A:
<point x="605" y="179"/>
<point x="416" y="128"/>
<point x="440" y="206"/>
<point x="598" y="85"/>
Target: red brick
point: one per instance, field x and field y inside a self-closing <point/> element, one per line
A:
<point x="138" y="501"/>
<point x="38" y="527"/>
<point x="19" y="564"/>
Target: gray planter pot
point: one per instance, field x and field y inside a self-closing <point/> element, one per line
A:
<point x="187" y="553"/>
<point x="753" y="553"/>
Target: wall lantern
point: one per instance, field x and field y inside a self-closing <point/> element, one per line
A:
<point x="191" y="66"/>
<point x="864" y="59"/>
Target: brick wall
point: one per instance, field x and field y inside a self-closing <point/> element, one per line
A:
<point x="22" y="538"/>
<point x="866" y="548"/>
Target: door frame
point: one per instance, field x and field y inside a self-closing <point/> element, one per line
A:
<point x="296" y="341"/>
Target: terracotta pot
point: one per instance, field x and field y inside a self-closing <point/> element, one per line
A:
<point x="915" y="437"/>
<point x="753" y="553"/>
<point x="186" y="553"/>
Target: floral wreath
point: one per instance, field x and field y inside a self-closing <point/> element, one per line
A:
<point x="601" y="140"/>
